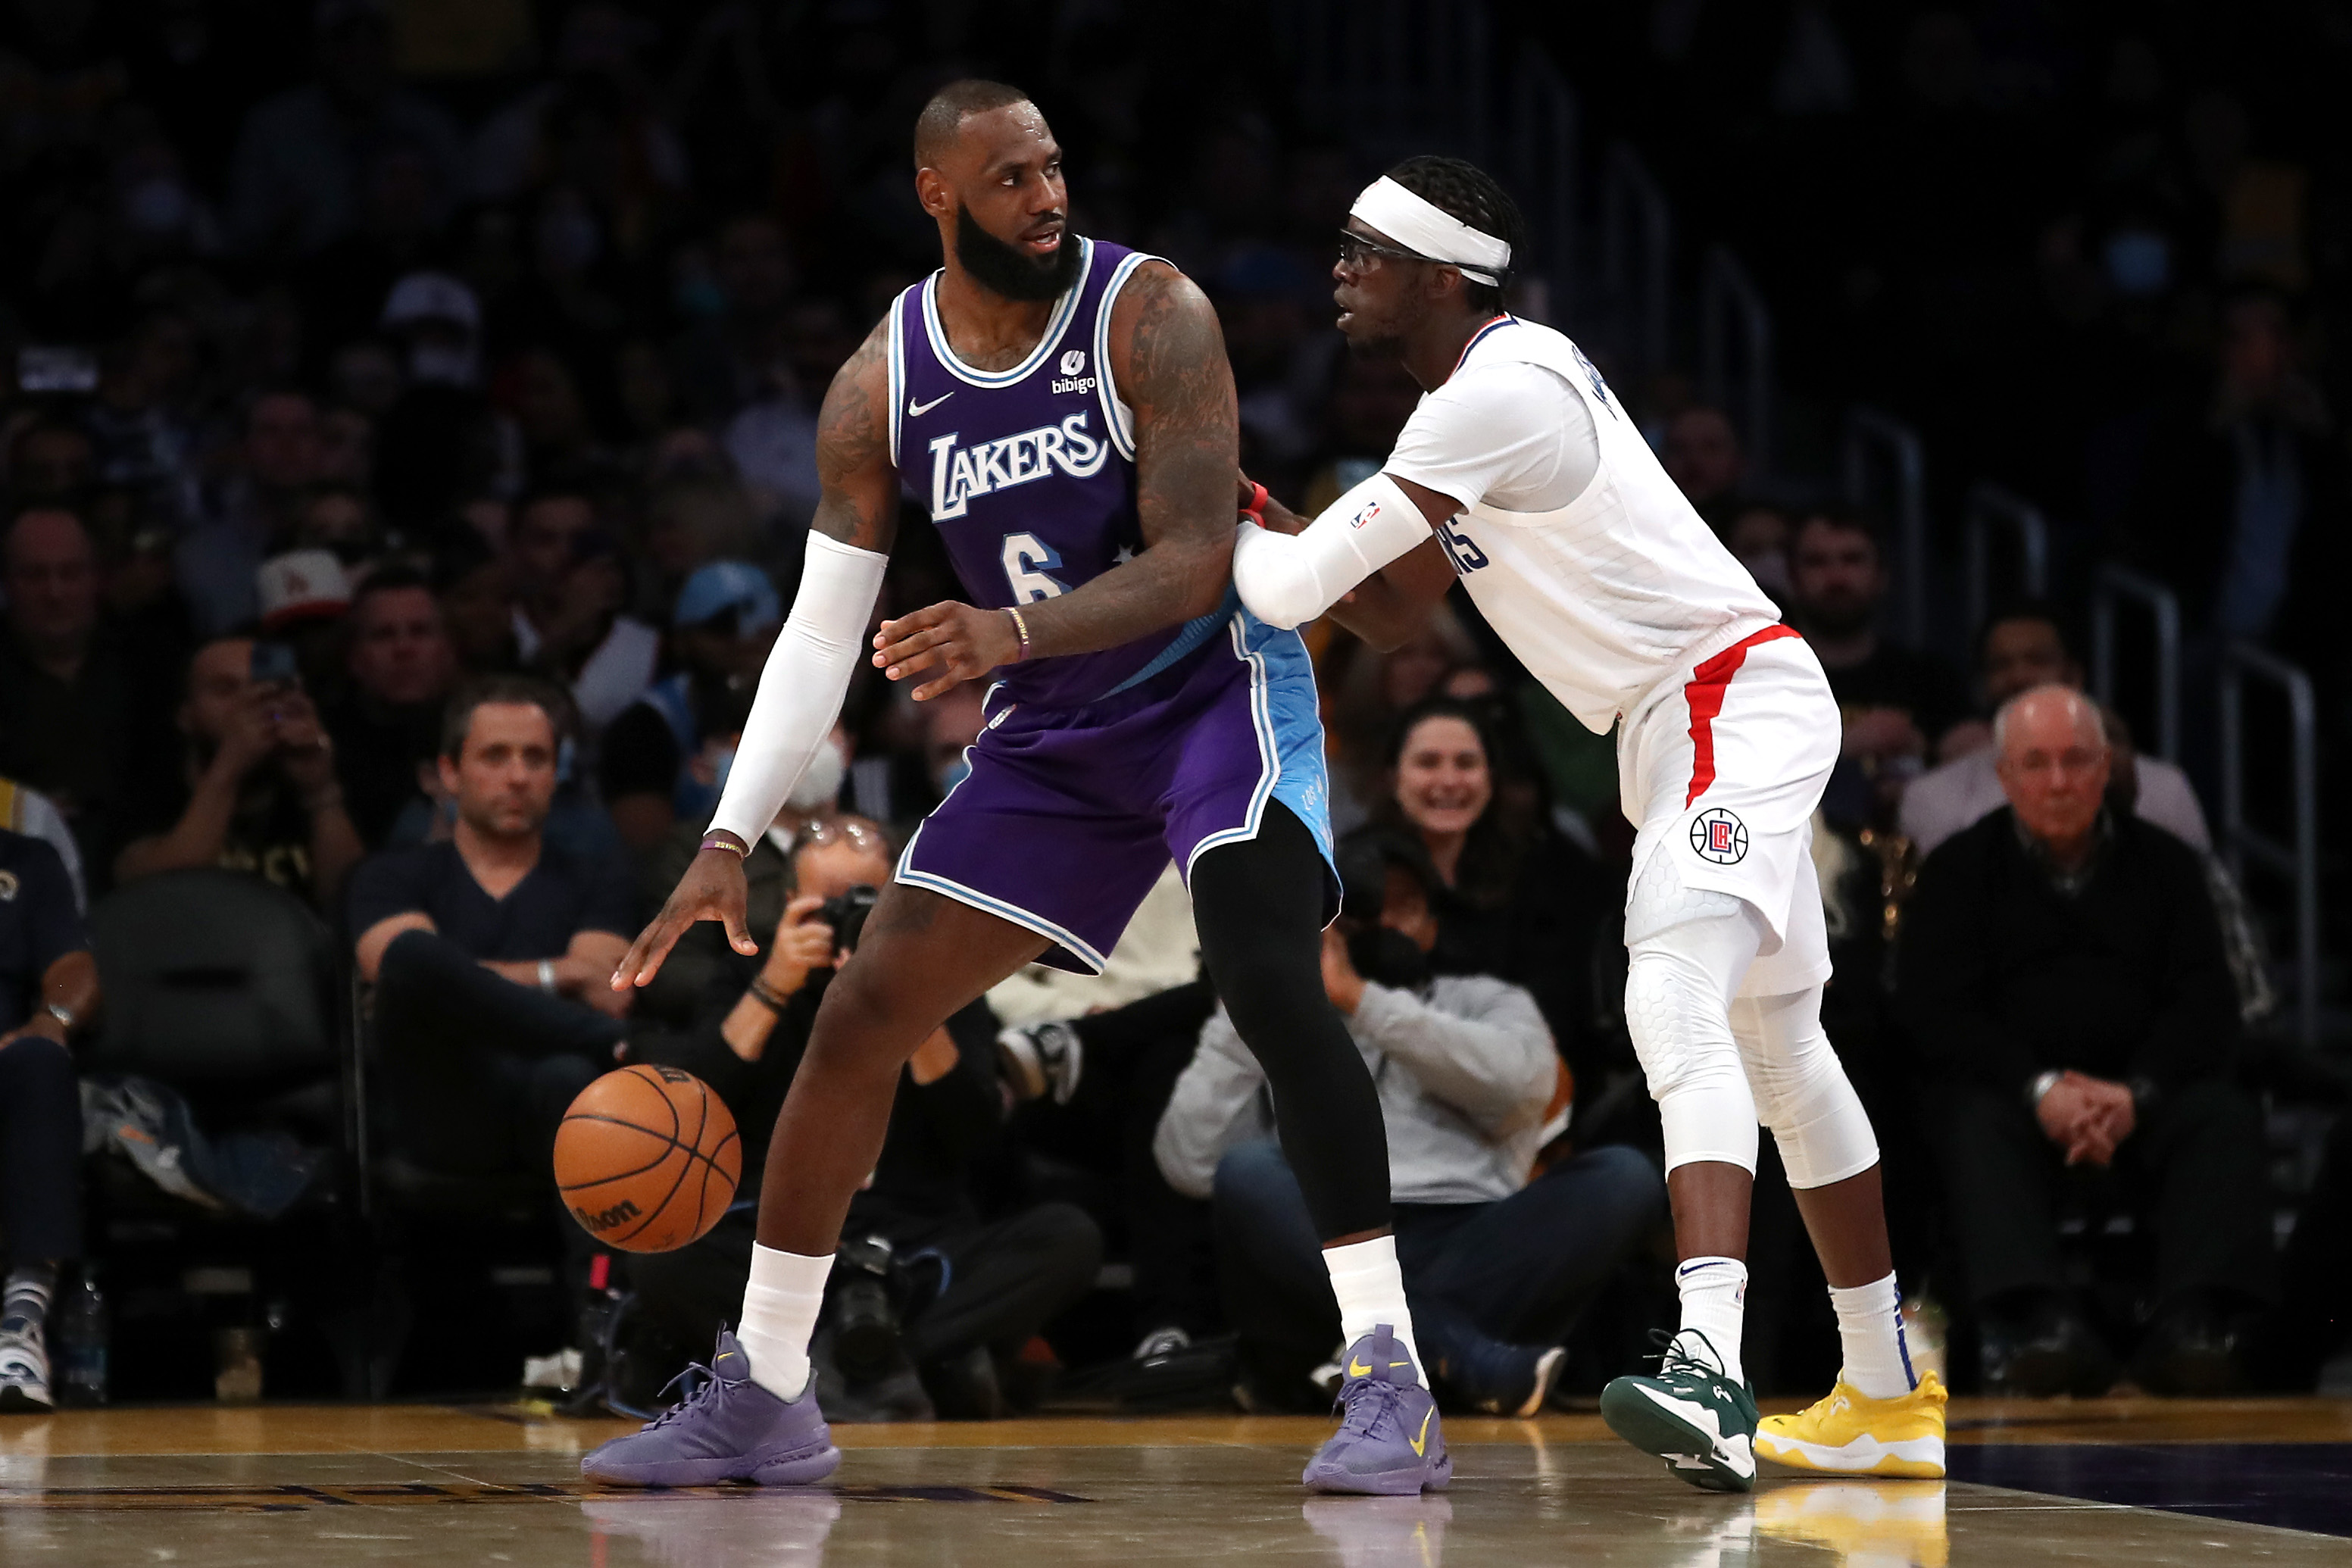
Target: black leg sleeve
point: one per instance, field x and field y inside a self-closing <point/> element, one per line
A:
<point x="1259" y="906"/>
<point x="40" y="1152"/>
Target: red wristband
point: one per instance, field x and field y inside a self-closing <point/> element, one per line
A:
<point x="1256" y="508"/>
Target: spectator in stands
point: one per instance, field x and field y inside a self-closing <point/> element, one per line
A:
<point x="982" y="1285"/>
<point x="491" y="954"/>
<point x="1702" y="455"/>
<point x="402" y="666"/>
<point x="2063" y="974"/>
<point x="1496" y="1264"/>
<point x="1897" y="703"/>
<point x="665" y="757"/>
<point x="1512" y="897"/>
<point x="295" y="185"/>
<point x="570" y="585"/>
<point x="258" y="773"/>
<point x="49" y="990"/>
<point x="256" y="512"/>
<point x="73" y="724"/>
<point x="2020" y="649"/>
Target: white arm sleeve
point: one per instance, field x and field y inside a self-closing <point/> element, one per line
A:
<point x="1288" y="580"/>
<point x="802" y="689"/>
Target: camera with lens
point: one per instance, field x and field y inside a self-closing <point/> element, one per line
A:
<point x="868" y="1292"/>
<point x="845" y="912"/>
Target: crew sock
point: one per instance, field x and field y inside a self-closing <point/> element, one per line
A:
<point x="1715" y="1302"/>
<point x="1870" y="1325"/>
<point x="1370" y="1288"/>
<point x="781" y="1303"/>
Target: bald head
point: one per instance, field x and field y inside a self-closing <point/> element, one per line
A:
<point x="936" y="127"/>
<point x="2054" y="763"/>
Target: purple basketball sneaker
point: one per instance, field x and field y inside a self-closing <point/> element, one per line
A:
<point x="730" y="1430"/>
<point x="1389" y="1441"/>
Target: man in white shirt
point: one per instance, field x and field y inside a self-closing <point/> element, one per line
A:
<point x="1547" y="503"/>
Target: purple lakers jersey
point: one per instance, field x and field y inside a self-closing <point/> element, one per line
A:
<point x="1029" y="473"/>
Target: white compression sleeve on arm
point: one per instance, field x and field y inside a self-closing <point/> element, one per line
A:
<point x="1288" y="580"/>
<point x="802" y="689"/>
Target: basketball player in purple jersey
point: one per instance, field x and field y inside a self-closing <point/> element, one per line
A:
<point x="1063" y="409"/>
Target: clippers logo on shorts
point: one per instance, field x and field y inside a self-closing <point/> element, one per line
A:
<point x="957" y="474"/>
<point x="1720" y="836"/>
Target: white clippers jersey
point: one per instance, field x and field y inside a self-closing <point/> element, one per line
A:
<point x="1622" y="588"/>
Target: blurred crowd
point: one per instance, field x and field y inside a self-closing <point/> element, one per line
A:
<point x="406" y="462"/>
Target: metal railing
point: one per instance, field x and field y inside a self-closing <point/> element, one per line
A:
<point x="2242" y="842"/>
<point x="1636" y="255"/>
<point x="1735" y="335"/>
<point x="2111" y="586"/>
<point x="1991" y="508"/>
<point x="1878" y="442"/>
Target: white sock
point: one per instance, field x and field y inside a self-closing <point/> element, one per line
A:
<point x="1870" y="1322"/>
<point x="1370" y="1288"/>
<point x="780" y="1307"/>
<point x="1715" y="1302"/>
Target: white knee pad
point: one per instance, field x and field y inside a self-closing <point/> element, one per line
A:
<point x="1800" y="1088"/>
<point x="1678" y="986"/>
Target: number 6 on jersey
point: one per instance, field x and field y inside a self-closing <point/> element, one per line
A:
<point x="1027" y="559"/>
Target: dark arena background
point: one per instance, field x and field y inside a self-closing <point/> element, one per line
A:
<point x="382" y="373"/>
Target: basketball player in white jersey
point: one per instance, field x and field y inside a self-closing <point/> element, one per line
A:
<point x="1520" y="475"/>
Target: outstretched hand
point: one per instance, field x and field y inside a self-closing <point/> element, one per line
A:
<point x="711" y="889"/>
<point x="960" y="642"/>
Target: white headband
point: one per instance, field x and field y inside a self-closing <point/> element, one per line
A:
<point x="1420" y="224"/>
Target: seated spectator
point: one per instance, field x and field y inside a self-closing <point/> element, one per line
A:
<point x="973" y="1289"/>
<point x="491" y="954"/>
<point x="36" y="815"/>
<point x="1513" y="898"/>
<point x="401" y="665"/>
<point x="1759" y="537"/>
<point x="569" y="586"/>
<point x="48" y="989"/>
<point x="74" y="721"/>
<point x="256" y="511"/>
<point x="258" y="773"/>
<point x="2019" y="650"/>
<point x="1897" y="703"/>
<point x="1497" y="1267"/>
<point x="1368" y="691"/>
<point x="665" y="757"/>
<point x="1702" y="455"/>
<point x="2064" y="975"/>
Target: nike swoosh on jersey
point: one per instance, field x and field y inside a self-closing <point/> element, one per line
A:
<point x="917" y="410"/>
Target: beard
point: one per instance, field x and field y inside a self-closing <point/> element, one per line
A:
<point x="1009" y="271"/>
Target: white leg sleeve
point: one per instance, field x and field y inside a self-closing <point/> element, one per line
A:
<point x="1800" y="1088"/>
<point x="1693" y="948"/>
<point x="802" y="688"/>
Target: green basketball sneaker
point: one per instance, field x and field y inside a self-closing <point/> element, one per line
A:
<point x="1689" y="1414"/>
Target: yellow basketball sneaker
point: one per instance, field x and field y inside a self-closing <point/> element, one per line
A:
<point x="1851" y="1434"/>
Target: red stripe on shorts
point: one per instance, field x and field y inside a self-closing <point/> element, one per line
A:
<point x="1705" y="694"/>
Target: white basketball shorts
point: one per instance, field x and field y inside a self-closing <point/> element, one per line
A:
<point x="1720" y="770"/>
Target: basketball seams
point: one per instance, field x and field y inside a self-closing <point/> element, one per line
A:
<point x="676" y="1143"/>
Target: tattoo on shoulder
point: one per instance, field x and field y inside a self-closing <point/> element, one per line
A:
<point x="852" y="443"/>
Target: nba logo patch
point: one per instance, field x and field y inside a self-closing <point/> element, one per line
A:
<point x="1720" y="836"/>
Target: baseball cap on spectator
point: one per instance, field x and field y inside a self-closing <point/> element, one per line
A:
<point x="722" y="587"/>
<point x="432" y="297"/>
<point x="302" y="585"/>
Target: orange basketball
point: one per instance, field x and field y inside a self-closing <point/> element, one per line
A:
<point x="647" y="1159"/>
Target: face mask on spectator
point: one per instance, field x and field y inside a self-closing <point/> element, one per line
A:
<point x="820" y="784"/>
<point x="2139" y="262"/>
<point x="447" y="365"/>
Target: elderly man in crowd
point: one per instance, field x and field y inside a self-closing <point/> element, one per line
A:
<point x="2063" y="972"/>
<point x="2020" y="649"/>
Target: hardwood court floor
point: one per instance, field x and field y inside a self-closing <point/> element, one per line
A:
<point x="2138" y="1482"/>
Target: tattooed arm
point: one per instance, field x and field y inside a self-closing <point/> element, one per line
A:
<point x="1169" y="359"/>
<point x="809" y="669"/>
